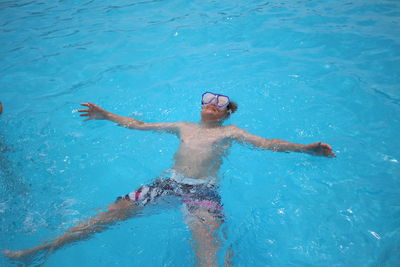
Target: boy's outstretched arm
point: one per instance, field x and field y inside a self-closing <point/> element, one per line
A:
<point x="94" y="112"/>
<point x="317" y="149"/>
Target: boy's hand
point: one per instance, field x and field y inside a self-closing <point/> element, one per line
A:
<point x="320" y="149"/>
<point x="94" y="112"/>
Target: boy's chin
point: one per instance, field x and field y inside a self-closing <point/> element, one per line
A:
<point x="213" y="118"/>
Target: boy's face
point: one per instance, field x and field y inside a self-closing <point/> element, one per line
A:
<point x="210" y="112"/>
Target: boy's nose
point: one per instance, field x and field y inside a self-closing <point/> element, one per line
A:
<point x="213" y="104"/>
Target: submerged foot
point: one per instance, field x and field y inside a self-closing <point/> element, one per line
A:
<point x="17" y="255"/>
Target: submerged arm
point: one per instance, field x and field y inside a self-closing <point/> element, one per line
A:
<point x="318" y="149"/>
<point x="94" y="112"/>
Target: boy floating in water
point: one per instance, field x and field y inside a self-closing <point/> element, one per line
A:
<point x="193" y="177"/>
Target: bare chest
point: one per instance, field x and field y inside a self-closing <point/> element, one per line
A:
<point x="196" y="136"/>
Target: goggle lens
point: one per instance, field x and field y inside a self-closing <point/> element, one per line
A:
<point x="222" y="101"/>
<point x="208" y="98"/>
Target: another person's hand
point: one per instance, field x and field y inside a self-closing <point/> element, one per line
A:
<point x="320" y="149"/>
<point x="94" y="112"/>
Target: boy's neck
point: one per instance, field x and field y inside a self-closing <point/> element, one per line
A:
<point x="211" y="123"/>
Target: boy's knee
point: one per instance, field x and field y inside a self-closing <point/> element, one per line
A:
<point x="120" y="204"/>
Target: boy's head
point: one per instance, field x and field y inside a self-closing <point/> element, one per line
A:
<point x="216" y="107"/>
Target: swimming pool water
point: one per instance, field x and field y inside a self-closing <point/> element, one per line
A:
<point x="302" y="71"/>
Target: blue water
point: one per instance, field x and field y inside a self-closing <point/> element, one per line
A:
<point x="302" y="71"/>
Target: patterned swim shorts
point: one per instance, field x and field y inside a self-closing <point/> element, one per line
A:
<point x="194" y="196"/>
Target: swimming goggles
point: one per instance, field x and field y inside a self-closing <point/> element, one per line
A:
<point x="220" y="100"/>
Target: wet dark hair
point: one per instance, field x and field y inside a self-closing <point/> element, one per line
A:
<point x="232" y="106"/>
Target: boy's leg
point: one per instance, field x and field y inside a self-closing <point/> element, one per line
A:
<point x="122" y="209"/>
<point x="119" y="211"/>
<point x="204" y="226"/>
